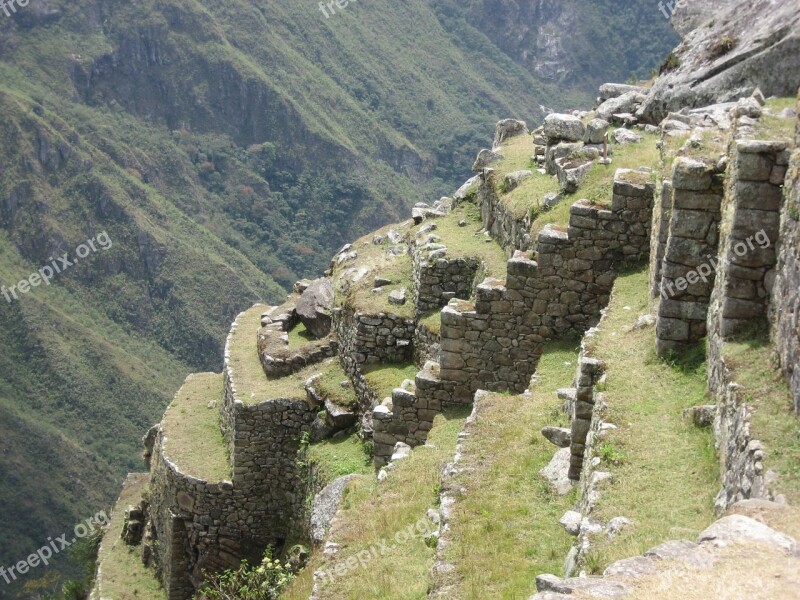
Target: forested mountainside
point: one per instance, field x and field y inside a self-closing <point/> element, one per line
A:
<point x="225" y="149"/>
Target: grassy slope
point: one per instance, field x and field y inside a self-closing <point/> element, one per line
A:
<point x="508" y="517"/>
<point x="373" y="512"/>
<point x="655" y="454"/>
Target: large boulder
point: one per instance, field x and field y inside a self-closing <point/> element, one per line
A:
<point x="615" y="90"/>
<point x="314" y="307"/>
<point x="508" y="128"/>
<point x="626" y="103"/>
<point x="563" y="127"/>
<point x="596" y="131"/>
<point x="746" y="44"/>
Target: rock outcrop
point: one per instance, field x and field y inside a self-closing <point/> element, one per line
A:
<point x="746" y="45"/>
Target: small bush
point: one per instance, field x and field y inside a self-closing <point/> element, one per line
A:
<point x="264" y="582"/>
<point x="722" y="47"/>
<point x="671" y="63"/>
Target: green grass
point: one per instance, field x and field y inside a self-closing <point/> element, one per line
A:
<point x="505" y="529"/>
<point x="469" y="242"/>
<point x="386" y="377"/>
<point x="773" y="422"/>
<point x="598" y="186"/>
<point x="194" y="441"/>
<point x="518" y="152"/>
<point x="330" y="386"/>
<point x="433" y="322"/>
<point x="771" y="127"/>
<point x="379" y="262"/>
<point x="299" y="336"/>
<point x="340" y="457"/>
<point x="373" y="512"/>
<point x="123" y="575"/>
<point x="665" y="471"/>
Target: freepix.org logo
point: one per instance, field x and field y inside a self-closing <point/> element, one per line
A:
<point x="9" y="7"/>
<point x="56" y="266"/>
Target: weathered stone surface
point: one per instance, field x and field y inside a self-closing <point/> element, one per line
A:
<point x="625" y="103"/>
<point x="766" y="45"/>
<point x="615" y="90"/>
<point x="625" y="136"/>
<point x="513" y="180"/>
<point x="314" y="307"/>
<point x="559" y="436"/>
<point x="596" y="131"/>
<point x="508" y="128"/>
<point x="563" y="127"/>
<point x="485" y="159"/>
<point x="556" y="472"/>
<point x="326" y="503"/>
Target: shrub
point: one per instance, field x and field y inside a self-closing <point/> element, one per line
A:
<point x="722" y="47"/>
<point x="264" y="582"/>
<point x="671" y="63"/>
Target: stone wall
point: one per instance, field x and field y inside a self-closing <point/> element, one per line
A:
<point x="688" y="269"/>
<point x="510" y="231"/>
<point x="588" y="374"/>
<point x="662" y="214"/>
<point x="749" y="233"/>
<point x="280" y="360"/>
<point x="427" y="344"/>
<point x="495" y="342"/>
<point x="785" y="310"/>
<point x="372" y="339"/>
<point x="437" y="278"/>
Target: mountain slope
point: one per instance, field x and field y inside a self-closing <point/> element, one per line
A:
<point x="227" y="149"/>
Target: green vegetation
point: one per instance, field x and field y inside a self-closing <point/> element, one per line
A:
<point x="124" y="575"/>
<point x="398" y="504"/>
<point x="342" y="456"/>
<point x="654" y="451"/>
<point x="264" y="582"/>
<point x="527" y="197"/>
<point x="598" y="186"/>
<point x="433" y="322"/>
<point x="384" y="378"/>
<point x="194" y="441"/>
<point x="773" y="421"/>
<point x="771" y="127"/>
<point x="335" y="385"/>
<point x="469" y="242"/>
<point x="505" y="530"/>
<point x="299" y="336"/>
<point x="374" y="260"/>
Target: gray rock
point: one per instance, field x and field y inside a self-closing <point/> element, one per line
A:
<point x="397" y="297"/>
<point x="314" y="307"/>
<point x="513" y="180"/>
<point x="626" y="136"/>
<point x="559" y="436"/>
<point x="615" y="90"/>
<point x="508" y="128"/>
<point x="735" y="529"/>
<point x="766" y="47"/>
<point x="563" y="127"/>
<point x="324" y="508"/>
<point x="401" y="451"/>
<point x="557" y="472"/>
<point x="571" y="521"/>
<point x="701" y="416"/>
<point x="631" y="567"/>
<point x="486" y="158"/>
<point x="596" y="131"/>
<point x="382" y="282"/>
<point x="339" y="417"/>
<point x="626" y="103"/>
